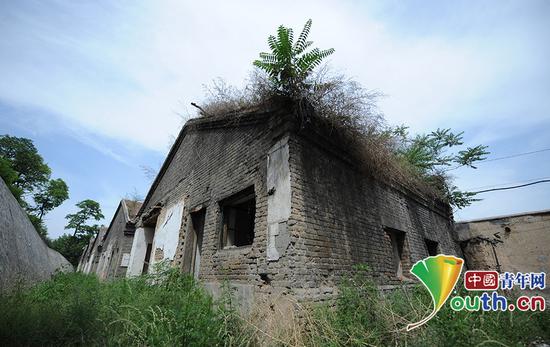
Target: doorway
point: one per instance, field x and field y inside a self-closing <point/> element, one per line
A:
<point x="193" y="243"/>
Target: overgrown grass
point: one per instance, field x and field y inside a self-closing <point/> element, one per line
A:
<point x="77" y="309"/>
<point x="171" y="309"/>
<point x="362" y="316"/>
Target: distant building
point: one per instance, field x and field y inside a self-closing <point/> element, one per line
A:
<point x="108" y="254"/>
<point x="85" y="261"/>
<point x="274" y="204"/>
<point x="513" y="243"/>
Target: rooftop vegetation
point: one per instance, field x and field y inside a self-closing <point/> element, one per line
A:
<point x="292" y="69"/>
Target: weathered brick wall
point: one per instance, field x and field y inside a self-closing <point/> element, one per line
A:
<point x="95" y="251"/>
<point x="339" y="216"/>
<point x="119" y="244"/>
<point x="84" y="262"/>
<point x="215" y="161"/>
<point x="103" y="255"/>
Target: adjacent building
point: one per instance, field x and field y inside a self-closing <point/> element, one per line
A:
<point x="513" y="243"/>
<point x="108" y="254"/>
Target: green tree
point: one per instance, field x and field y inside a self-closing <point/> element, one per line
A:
<point x="433" y="155"/>
<point x="89" y="210"/>
<point x="9" y="175"/>
<point x="27" y="175"/>
<point x="24" y="159"/>
<point x="50" y="196"/>
<point x="70" y="247"/>
<point x="289" y="63"/>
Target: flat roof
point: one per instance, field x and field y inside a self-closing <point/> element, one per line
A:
<point x="504" y="216"/>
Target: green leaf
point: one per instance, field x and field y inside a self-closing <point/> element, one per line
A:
<point x="288" y="65"/>
<point x="302" y="42"/>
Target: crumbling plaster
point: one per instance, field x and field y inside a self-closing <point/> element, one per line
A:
<point x="166" y="235"/>
<point x="278" y="200"/>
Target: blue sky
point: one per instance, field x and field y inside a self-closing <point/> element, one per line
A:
<point x="103" y="87"/>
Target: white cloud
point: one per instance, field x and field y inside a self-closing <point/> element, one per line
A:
<point x="126" y="71"/>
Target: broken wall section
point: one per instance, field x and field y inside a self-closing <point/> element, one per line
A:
<point x="117" y="241"/>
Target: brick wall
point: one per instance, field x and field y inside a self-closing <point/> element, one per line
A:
<point x="338" y="215"/>
<point x="213" y="162"/>
<point x="103" y="255"/>
<point x="121" y="242"/>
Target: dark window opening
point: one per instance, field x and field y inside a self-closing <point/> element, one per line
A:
<point x="397" y="239"/>
<point x="433" y="247"/>
<point x="238" y="214"/>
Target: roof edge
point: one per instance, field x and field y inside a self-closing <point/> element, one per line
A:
<point x="234" y="119"/>
<point x="520" y="214"/>
<point x="125" y="208"/>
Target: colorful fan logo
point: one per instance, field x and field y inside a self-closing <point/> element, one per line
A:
<point x="439" y="274"/>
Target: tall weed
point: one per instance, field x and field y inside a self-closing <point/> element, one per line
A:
<point x="362" y="316"/>
<point x="164" y="309"/>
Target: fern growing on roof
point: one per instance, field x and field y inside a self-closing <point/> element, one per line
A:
<point x="289" y="63"/>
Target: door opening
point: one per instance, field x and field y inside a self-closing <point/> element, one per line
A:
<point x="147" y="259"/>
<point x="193" y="243"/>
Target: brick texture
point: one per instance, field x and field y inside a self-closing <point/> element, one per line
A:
<point x="339" y="215"/>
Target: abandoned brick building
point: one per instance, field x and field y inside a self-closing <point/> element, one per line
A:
<point x="88" y="262"/>
<point x="108" y="254"/>
<point x="274" y="204"/>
